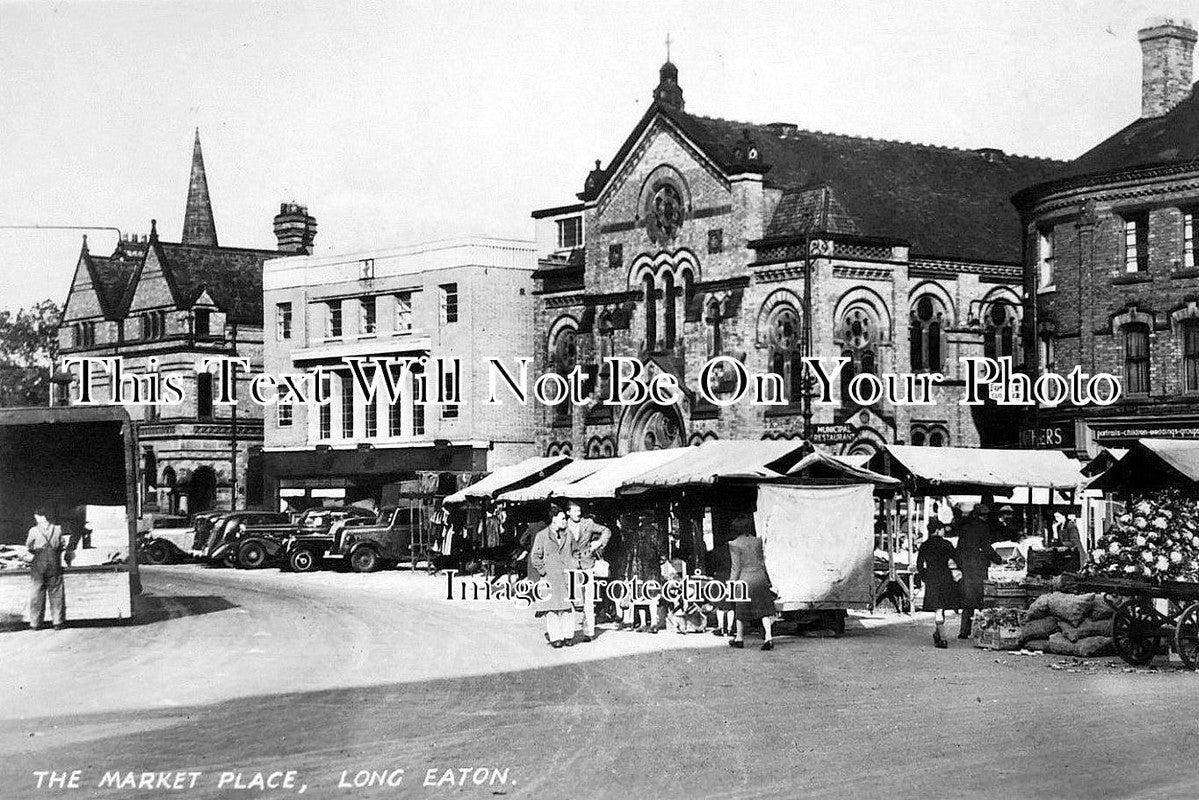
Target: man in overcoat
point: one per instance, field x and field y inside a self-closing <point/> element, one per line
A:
<point x="553" y="557"/>
<point x="590" y="540"/>
<point x="975" y="557"/>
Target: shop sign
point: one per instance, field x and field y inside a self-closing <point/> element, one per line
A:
<point x="1053" y="437"/>
<point x="1141" y="430"/>
<point x="839" y="433"/>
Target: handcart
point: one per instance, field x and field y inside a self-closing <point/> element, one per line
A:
<point x="1139" y="626"/>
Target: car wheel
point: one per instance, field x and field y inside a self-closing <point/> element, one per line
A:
<point x="252" y="555"/>
<point x="157" y="553"/>
<point x="364" y="559"/>
<point x="302" y="561"/>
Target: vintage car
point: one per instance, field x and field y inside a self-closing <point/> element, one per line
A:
<point x="222" y="544"/>
<point x="305" y="552"/>
<point x="162" y="538"/>
<point x="385" y="543"/>
<point x="252" y="546"/>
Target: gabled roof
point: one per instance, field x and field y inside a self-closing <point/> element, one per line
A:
<point x="947" y="202"/>
<point x="1166" y="140"/>
<point x="110" y="278"/>
<point x="815" y="210"/>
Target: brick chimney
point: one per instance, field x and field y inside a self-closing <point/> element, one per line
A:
<point x="295" y="229"/>
<point x="1167" y="49"/>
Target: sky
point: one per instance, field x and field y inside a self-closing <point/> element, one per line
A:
<point x="403" y="122"/>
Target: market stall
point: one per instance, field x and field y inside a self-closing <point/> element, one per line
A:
<point x="1032" y="483"/>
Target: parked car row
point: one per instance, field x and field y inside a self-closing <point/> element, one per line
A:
<point x="318" y="537"/>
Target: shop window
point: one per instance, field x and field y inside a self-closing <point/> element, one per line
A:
<point x="1190" y="354"/>
<point x="926" y="325"/>
<point x="1136" y="242"/>
<point x="1136" y="358"/>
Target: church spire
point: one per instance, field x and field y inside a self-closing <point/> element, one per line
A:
<point x="198" y="224"/>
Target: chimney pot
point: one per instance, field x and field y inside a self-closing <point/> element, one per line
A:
<point x="1167" y="56"/>
<point x="295" y="229"/>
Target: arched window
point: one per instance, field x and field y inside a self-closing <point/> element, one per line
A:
<point x="1136" y="358"/>
<point x="786" y="350"/>
<point x="926" y="325"/>
<point x="1000" y="331"/>
<point x="937" y="437"/>
<point x="858" y="333"/>
<point x="651" y="314"/>
<point x="918" y="436"/>
<point x="563" y="357"/>
<point x="669" y="310"/>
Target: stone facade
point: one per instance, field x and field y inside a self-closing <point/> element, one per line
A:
<point x="696" y="241"/>
<point x="161" y="307"/>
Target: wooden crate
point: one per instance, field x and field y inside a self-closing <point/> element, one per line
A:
<point x="92" y="593"/>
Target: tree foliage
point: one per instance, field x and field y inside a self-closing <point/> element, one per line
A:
<point x="28" y="353"/>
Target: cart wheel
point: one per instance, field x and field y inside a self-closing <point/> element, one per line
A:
<point x="1186" y="636"/>
<point x="1136" y="631"/>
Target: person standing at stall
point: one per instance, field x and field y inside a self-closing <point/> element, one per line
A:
<point x="748" y="563"/>
<point x="974" y="557"/>
<point x="590" y="540"/>
<point x="553" y="556"/>
<point x="935" y="566"/>
<point x="45" y="544"/>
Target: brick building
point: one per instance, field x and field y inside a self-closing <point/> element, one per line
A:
<point x="163" y="306"/>
<point x="469" y="299"/>
<point x="1111" y="275"/>
<point x="698" y="239"/>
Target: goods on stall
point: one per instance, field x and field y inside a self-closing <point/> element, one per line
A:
<point x="1069" y="624"/>
<point x="1157" y="539"/>
<point x="13" y="556"/>
<point x="998" y="628"/>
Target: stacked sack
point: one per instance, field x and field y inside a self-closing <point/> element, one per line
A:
<point x="1158" y="539"/>
<point x="1069" y="624"/>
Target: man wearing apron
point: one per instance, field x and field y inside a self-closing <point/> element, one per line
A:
<point x="45" y="545"/>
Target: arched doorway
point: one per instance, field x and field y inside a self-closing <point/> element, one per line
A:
<point x="201" y="492"/>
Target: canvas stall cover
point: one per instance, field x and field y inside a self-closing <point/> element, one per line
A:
<point x="819" y="544"/>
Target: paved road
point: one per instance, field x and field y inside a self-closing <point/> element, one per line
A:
<point x="232" y="671"/>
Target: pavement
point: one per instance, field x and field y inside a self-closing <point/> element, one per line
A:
<point x="345" y="679"/>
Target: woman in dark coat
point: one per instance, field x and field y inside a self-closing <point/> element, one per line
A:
<point x="935" y="565"/>
<point x="748" y="563"/>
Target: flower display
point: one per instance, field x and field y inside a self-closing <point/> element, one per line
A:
<point x="1158" y="539"/>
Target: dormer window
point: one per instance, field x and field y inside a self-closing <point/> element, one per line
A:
<point x="201" y="321"/>
<point x="570" y="233"/>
